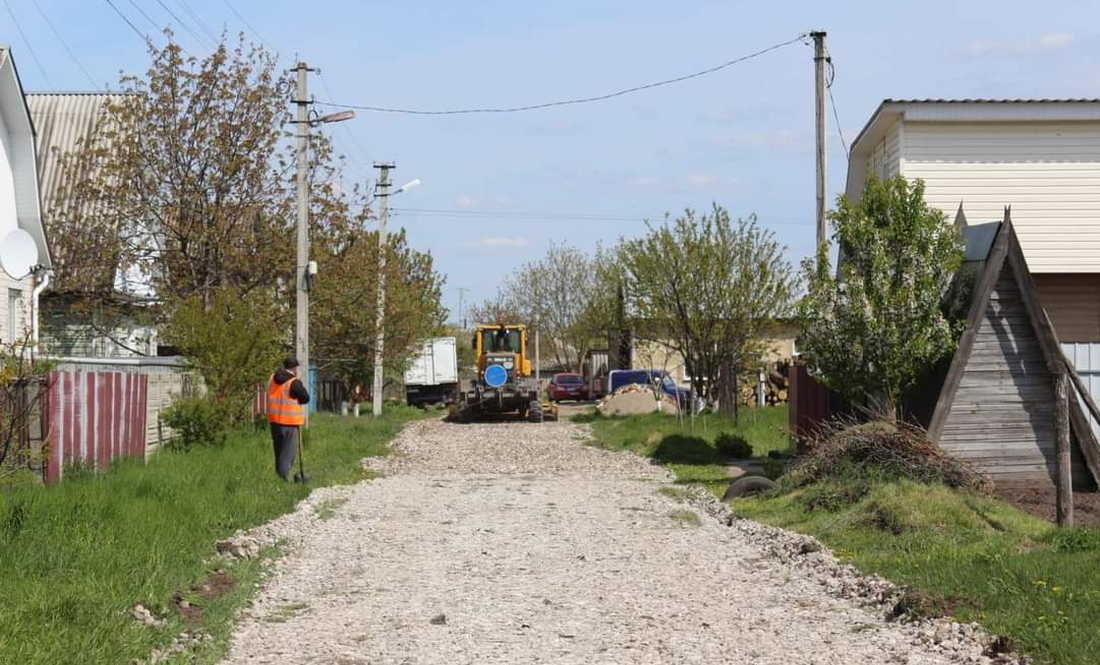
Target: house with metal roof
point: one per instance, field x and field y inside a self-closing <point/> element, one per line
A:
<point x="24" y="248"/>
<point x="1041" y="157"/>
<point x="65" y="123"/>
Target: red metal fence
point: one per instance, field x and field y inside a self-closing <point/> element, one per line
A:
<point x="94" y="418"/>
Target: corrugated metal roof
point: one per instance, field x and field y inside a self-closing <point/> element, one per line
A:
<point x="978" y="100"/>
<point x="63" y="122"/>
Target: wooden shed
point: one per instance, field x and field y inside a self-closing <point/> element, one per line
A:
<point x="996" y="407"/>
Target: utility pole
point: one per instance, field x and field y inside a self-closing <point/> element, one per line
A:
<point x="819" y="123"/>
<point x="461" y="312"/>
<point x="382" y="191"/>
<point x="301" y="344"/>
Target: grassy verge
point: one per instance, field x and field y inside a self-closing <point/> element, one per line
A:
<point x="688" y="448"/>
<point x="975" y="558"/>
<point x="75" y="558"/>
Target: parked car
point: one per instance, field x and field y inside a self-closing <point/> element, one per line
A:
<point x="567" y="386"/>
<point x="618" y="378"/>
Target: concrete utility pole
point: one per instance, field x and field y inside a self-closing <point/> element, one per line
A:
<point x="819" y="123"/>
<point x="382" y="191"/>
<point x="301" y="264"/>
<point x="461" y="312"/>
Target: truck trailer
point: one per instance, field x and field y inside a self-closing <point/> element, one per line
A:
<point x="432" y="376"/>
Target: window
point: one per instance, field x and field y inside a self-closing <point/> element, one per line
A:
<point x="15" y="304"/>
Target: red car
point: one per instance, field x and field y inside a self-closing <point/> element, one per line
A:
<point x="567" y="386"/>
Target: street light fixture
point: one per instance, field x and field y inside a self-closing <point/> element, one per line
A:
<point x="332" y="117"/>
<point x="383" y="195"/>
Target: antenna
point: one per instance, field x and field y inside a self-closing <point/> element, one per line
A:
<point x="18" y="254"/>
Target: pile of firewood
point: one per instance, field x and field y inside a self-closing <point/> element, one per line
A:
<point x="775" y="389"/>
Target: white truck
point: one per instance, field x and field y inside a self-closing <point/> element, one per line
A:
<point x="432" y="376"/>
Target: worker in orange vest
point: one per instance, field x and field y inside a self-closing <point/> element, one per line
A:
<point x="286" y="397"/>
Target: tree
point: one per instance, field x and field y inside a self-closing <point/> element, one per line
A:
<point x="708" y="289"/>
<point x="344" y="304"/>
<point x="871" y="331"/>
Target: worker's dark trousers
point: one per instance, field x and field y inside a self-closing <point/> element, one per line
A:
<point x="285" y="440"/>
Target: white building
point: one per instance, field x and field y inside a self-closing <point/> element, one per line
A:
<point x="20" y="205"/>
<point x="1042" y="157"/>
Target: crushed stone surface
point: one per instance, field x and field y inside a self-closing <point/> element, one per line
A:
<point x="517" y="543"/>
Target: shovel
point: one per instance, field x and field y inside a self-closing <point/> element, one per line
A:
<point x="301" y="477"/>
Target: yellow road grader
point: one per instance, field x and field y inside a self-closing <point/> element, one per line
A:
<point x="504" y="381"/>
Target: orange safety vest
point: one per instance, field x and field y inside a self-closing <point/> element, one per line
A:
<point x="283" y="409"/>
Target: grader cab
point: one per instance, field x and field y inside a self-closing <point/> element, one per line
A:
<point x="504" y="381"/>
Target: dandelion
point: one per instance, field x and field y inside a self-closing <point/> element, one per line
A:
<point x="1040" y="583"/>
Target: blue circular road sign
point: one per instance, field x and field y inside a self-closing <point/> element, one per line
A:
<point x="496" y="376"/>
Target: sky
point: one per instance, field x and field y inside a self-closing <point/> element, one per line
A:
<point x="498" y="189"/>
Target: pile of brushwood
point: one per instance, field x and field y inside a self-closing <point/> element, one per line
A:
<point x="884" y="450"/>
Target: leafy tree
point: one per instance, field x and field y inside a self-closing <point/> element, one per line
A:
<point x="708" y="289"/>
<point x="872" y="330"/>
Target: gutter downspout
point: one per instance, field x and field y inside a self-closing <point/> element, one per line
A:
<point x="42" y="284"/>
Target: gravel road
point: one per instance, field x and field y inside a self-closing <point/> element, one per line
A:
<point x="515" y="543"/>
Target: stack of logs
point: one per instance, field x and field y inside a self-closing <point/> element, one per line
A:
<point x="775" y="388"/>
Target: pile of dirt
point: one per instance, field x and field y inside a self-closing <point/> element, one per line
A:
<point x="633" y="400"/>
<point x="888" y="449"/>
<point x="1041" y="501"/>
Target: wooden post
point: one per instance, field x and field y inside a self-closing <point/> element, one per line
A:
<point x="1065" y="470"/>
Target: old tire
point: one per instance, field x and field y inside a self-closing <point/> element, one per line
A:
<point x="746" y="486"/>
<point x="534" y="411"/>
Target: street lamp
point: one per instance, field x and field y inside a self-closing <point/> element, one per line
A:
<point x="384" y="195"/>
<point x="304" y="268"/>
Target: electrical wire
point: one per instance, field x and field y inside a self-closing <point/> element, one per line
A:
<point x="26" y="41"/>
<point x="832" y="102"/>
<point x="156" y="26"/>
<point x="347" y="131"/>
<point x="568" y="102"/>
<point x="182" y="24"/>
<point x="198" y="21"/>
<point x="278" y="56"/>
<point x="64" y="44"/>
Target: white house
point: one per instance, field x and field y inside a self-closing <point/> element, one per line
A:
<point x="20" y="207"/>
<point x="1040" y="156"/>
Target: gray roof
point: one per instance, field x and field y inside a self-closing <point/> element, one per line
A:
<point x="63" y="121"/>
<point x="978" y="100"/>
<point x="979" y="239"/>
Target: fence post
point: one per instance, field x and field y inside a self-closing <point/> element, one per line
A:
<point x="1065" y="470"/>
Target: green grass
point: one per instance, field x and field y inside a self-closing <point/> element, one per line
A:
<point x="688" y="449"/>
<point x="75" y="558"/>
<point x="977" y="558"/>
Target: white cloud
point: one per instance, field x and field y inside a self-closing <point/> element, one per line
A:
<point x="1048" y="42"/>
<point x="476" y="202"/>
<point x="701" y="179"/>
<point x="496" y="242"/>
<point x="784" y="138"/>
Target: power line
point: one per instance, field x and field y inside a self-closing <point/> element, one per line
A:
<point x="182" y="24"/>
<point x="579" y="100"/>
<point x="278" y="56"/>
<point x="156" y="26"/>
<point x="144" y="37"/>
<point x="347" y="131"/>
<point x="65" y="44"/>
<point x="832" y="102"/>
<point x="198" y="21"/>
<point x="551" y="216"/>
<point x="26" y="41"/>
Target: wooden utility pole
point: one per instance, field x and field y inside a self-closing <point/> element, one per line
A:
<point x="819" y="124"/>
<point x="1061" y="431"/>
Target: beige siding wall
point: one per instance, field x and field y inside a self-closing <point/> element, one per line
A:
<point x="21" y="317"/>
<point x="1073" y="303"/>
<point x="885" y="158"/>
<point x="1049" y="172"/>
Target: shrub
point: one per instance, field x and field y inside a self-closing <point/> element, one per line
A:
<point x="773" y="468"/>
<point x="197" y="421"/>
<point x="882" y="450"/>
<point x="1074" y="541"/>
<point x="733" y="445"/>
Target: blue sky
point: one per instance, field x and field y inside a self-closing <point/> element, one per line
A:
<point x="585" y="174"/>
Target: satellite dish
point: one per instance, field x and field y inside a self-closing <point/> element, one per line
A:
<point x="18" y="254"/>
<point x="496" y="376"/>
